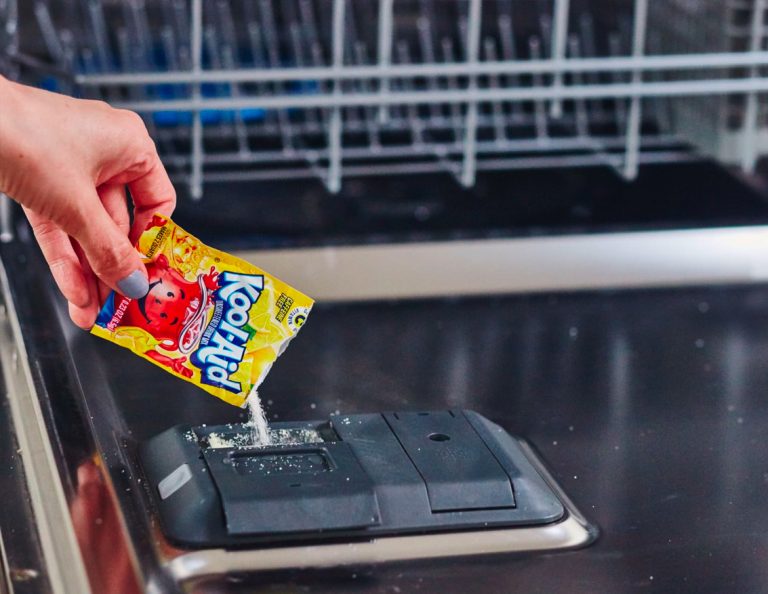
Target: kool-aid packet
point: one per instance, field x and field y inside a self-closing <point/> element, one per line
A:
<point x="209" y="317"/>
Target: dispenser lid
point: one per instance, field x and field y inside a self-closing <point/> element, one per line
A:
<point x="275" y="490"/>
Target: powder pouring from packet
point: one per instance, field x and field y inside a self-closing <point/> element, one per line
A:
<point x="209" y="318"/>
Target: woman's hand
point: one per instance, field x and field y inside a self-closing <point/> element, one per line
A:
<point x="67" y="162"/>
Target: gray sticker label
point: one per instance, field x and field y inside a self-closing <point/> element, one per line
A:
<point x="174" y="481"/>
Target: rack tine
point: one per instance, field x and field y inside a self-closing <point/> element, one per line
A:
<point x="749" y="148"/>
<point x="352" y="121"/>
<point x="426" y="44"/>
<point x="211" y="46"/>
<point x="181" y="28"/>
<point x="452" y="85"/>
<point x="132" y="61"/>
<point x="273" y="55"/>
<point x="258" y="58"/>
<point x="632" y="147"/>
<point x="169" y="43"/>
<point x="173" y="63"/>
<point x="310" y="115"/>
<point x="539" y="110"/>
<point x="614" y="45"/>
<point x="48" y="30"/>
<point x="384" y="48"/>
<point x="587" y="34"/>
<point x="334" y="133"/>
<point x="309" y="22"/>
<point x="361" y="56"/>
<point x="317" y="60"/>
<point x="582" y="117"/>
<point x="228" y="59"/>
<point x="211" y="49"/>
<point x="142" y="47"/>
<point x="96" y="16"/>
<point x="661" y="107"/>
<point x="226" y="22"/>
<point x="508" y="52"/>
<point x="545" y="40"/>
<point x="196" y="49"/>
<point x="414" y="122"/>
<point x="291" y="22"/>
<point x="559" y="35"/>
<point x="493" y="82"/>
<point x="173" y="34"/>
<point x="469" y="165"/>
<point x="169" y="16"/>
<point x="230" y="62"/>
<point x="545" y="44"/>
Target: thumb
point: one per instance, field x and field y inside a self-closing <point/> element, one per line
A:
<point x="112" y="257"/>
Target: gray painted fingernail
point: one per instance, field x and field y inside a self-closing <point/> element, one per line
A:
<point x="135" y="285"/>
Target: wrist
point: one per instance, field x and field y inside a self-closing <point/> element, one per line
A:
<point x="9" y="139"/>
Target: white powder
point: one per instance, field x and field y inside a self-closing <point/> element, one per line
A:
<point x="279" y="437"/>
<point x="257" y="421"/>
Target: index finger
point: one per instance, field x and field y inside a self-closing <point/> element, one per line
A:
<point x="152" y="193"/>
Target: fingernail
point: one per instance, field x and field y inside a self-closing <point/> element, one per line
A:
<point x="135" y="285"/>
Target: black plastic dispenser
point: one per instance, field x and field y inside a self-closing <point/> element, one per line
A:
<point x="352" y="476"/>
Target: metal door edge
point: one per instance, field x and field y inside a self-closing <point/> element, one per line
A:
<point x="61" y="552"/>
<point x="573" y="531"/>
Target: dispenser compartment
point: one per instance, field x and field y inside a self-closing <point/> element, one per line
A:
<point x="354" y="476"/>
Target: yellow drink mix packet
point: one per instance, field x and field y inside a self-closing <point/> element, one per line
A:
<point x="209" y="318"/>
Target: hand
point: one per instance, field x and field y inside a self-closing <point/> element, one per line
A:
<point x="67" y="162"/>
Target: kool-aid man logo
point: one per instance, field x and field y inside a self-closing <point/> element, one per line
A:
<point x="222" y="345"/>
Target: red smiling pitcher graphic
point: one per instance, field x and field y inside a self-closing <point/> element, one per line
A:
<point x="174" y="312"/>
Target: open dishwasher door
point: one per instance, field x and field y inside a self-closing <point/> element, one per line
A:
<point x="630" y="397"/>
<point x="193" y="505"/>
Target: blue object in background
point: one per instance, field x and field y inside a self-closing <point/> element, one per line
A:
<point x="49" y="83"/>
<point x="207" y="116"/>
<point x="170" y="92"/>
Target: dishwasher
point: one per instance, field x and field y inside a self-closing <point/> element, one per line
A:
<point x="537" y="233"/>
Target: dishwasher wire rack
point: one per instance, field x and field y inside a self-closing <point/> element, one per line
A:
<point x="274" y="89"/>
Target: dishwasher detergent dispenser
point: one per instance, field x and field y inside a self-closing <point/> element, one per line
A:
<point x="382" y="481"/>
